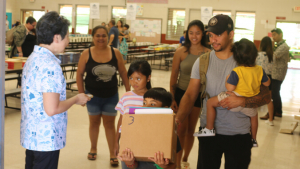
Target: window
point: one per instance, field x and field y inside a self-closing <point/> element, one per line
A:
<point x="82" y="19"/>
<point x="35" y="14"/>
<point x="119" y="13"/>
<point x="244" y="26"/>
<point x="222" y="12"/>
<point x="66" y="11"/>
<point x="291" y="33"/>
<point x="175" y="27"/>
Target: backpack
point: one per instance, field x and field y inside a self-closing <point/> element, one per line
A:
<point x="203" y="66"/>
<point x="123" y="47"/>
<point x="10" y="36"/>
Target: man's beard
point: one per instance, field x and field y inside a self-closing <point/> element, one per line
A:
<point x="221" y="49"/>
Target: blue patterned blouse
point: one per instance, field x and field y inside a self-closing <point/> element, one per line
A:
<point x="42" y="74"/>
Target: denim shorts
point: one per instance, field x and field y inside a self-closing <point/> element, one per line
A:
<point x="104" y="106"/>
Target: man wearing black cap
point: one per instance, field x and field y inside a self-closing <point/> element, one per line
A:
<point x="232" y="128"/>
<point x="279" y="69"/>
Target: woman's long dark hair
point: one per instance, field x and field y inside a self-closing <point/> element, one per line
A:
<point x="187" y="42"/>
<point x="121" y="23"/>
<point x="142" y="67"/>
<point x="266" y="46"/>
<point x="99" y="27"/>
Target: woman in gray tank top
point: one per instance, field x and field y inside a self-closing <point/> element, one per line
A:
<point x="183" y="61"/>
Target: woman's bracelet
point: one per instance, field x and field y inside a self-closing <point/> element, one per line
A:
<point x="132" y="165"/>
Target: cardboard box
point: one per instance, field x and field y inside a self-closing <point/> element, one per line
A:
<point x="14" y="63"/>
<point x="289" y="128"/>
<point x="297" y="117"/>
<point x="145" y="134"/>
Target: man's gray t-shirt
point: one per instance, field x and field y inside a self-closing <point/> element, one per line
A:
<point x="227" y="122"/>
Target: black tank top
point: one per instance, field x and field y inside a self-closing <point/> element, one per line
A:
<point x="28" y="45"/>
<point x="101" y="78"/>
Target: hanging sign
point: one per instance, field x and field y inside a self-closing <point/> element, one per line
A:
<point x="94" y="11"/>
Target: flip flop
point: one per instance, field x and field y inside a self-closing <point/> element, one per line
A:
<point x="94" y="156"/>
<point x="114" y="162"/>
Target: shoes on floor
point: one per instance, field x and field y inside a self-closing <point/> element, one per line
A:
<point x="271" y="123"/>
<point x="205" y="133"/>
<point x="265" y="117"/>
<point x="185" y="165"/>
<point x="278" y="115"/>
<point x="254" y="142"/>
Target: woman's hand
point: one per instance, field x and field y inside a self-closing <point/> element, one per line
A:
<point x="82" y="98"/>
<point x="160" y="160"/>
<point x="127" y="157"/>
<point x="174" y="106"/>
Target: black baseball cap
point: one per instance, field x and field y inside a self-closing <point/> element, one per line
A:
<point x="219" y="24"/>
<point x="277" y="30"/>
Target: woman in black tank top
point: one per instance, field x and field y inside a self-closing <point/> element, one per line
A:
<point x="101" y="63"/>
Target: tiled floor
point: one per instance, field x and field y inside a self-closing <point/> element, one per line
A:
<point x="275" y="151"/>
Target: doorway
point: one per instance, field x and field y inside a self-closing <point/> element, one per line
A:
<point x="36" y="14"/>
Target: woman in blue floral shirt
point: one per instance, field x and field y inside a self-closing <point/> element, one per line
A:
<point x="44" y="105"/>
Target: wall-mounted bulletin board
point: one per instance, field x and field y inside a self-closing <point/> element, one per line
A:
<point x="146" y="30"/>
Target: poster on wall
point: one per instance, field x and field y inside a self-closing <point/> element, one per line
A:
<point x="206" y="14"/>
<point x="94" y="11"/>
<point x="131" y="11"/>
<point x="139" y="10"/>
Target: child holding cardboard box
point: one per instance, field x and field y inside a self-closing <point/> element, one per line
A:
<point x="139" y="74"/>
<point x="155" y="97"/>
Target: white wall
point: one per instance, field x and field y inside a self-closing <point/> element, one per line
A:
<point x="11" y="7"/>
<point x="264" y="9"/>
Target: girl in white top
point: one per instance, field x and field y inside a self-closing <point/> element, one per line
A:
<point x="139" y="74"/>
<point x="265" y="60"/>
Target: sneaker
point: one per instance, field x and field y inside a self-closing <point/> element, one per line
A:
<point x="254" y="142"/>
<point x="205" y="133"/>
<point x="271" y="123"/>
<point x="265" y="117"/>
<point x="185" y="165"/>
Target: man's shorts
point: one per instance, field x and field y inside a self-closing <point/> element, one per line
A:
<point x="247" y="111"/>
<point x="179" y="94"/>
<point x="104" y="106"/>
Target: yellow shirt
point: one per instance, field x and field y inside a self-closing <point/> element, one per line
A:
<point x="249" y="80"/>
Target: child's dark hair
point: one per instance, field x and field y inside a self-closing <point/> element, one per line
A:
<point x="160" y="94"/>
<point x="126" y="26"/>
<point x="244" y="53"/>
<point x="266" y="45"/>
<point x="141" y="66"/>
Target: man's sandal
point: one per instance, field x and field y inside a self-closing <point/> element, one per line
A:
<point x="114" y="162"/>
<point x="92" y="156"/>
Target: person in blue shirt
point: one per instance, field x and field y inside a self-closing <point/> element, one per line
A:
<point x="43" y="95"/>
<point x="113" y="34"/>
<point x="182" y="39"/>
